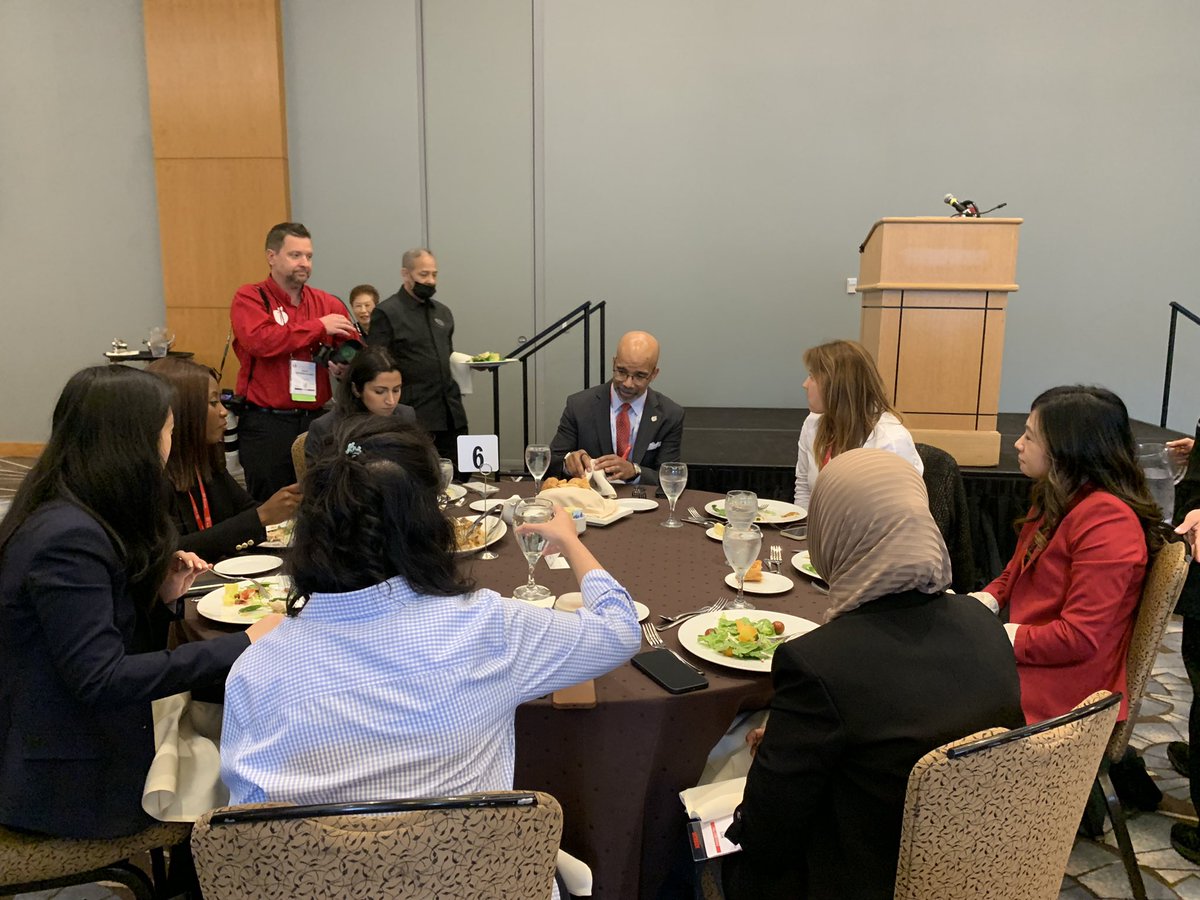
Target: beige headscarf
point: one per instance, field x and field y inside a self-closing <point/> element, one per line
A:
<point x="870" y="532"/>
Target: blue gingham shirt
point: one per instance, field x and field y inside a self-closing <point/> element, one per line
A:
<point x="385" y="693"/>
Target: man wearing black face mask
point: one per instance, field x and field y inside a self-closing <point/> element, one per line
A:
<point x="419" y="331"/>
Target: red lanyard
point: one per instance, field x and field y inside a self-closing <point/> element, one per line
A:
<point x="206" y="522"/>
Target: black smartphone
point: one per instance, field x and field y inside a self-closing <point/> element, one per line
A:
<point x="670" y="671"/>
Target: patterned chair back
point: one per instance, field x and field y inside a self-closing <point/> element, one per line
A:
<point x="299" y="460"/>
<point x="467" y="848"/>
<point x="1164" y="581"/>
<point x="36" y="862"/>
<point x="993" y="816"/>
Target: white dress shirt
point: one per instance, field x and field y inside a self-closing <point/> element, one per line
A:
<point x="888" y="434"/>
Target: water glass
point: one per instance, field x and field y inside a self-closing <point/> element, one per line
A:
<point x="672" y="476"/>
<point x="741" y="508"/>
<point x="537" y="460"/>
<point x="532" y="512"/>
<point x="446" y="468"/>
<point x="1152" y="457"/>
<point x="742" y="546"/>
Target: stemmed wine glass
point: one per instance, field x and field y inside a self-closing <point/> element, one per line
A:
<point x="741" y="508"/>
<point x="672" y="476"/>
<point x="535" y="511"/>
<point x="537" y="460"/>
<point x="446" y="468"/>
<point x="741" y="550"/>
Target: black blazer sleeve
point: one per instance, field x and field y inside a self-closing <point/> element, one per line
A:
<point x="792" y="767"/>
<point x="235" y="520"/>
<point x="566" y="439"/>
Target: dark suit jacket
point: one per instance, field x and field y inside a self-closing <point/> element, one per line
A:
<point x="234" y="514"/>
<point x="586" y="424"/>
<point x="320" y="432"/>
<point x="79" y="664"/>
<point x="857" y="702"/>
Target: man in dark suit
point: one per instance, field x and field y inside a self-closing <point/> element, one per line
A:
<point x="622" y="428"/>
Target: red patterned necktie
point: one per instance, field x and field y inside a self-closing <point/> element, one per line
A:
<point x="623" y="431"/>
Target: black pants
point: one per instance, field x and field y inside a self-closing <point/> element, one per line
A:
<point x="1189" y="649"/>
<point x="265" y="448"/>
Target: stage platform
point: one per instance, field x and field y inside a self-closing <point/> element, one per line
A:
<point x="755" y="449"/>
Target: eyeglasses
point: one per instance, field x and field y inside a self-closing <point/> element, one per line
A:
<point x="625" y="375"/>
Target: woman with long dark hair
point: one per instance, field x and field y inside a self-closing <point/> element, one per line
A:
<point x="848" y="409"/>
<point x="88" y="578"/>
<point x="213" y="514"/>
<point x="1073" y="585"/>
<point x="371" y="387"/>
<point x="408" y="679"/>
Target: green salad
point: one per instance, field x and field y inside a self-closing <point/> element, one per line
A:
<point x="490" y="356"/>
<point x="742" y="638"/>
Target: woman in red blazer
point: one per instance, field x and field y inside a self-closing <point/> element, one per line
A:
<point x="1073" y="584"/>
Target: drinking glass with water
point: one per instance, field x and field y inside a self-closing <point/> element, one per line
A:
<point x="532" y="512"/>
<point x="672" y="476"/>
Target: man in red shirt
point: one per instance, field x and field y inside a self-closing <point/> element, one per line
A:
<point x="278" y="327"/>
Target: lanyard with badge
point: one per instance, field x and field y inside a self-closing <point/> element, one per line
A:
<point x="302" y="375"/>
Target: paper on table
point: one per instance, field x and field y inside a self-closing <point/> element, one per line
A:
<point x="556" y="561"/>
<point x="460" y="371"/>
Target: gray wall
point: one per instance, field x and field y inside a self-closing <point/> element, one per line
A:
<point x="78" y="222"/>
<point x="708" y="170"/>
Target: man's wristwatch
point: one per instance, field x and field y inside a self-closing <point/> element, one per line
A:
<point x="637" y="471"/>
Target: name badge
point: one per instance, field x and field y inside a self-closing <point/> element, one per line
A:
<point x="303" y="382"/>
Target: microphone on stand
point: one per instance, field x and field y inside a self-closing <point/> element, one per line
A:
<point x="951" y="200"/>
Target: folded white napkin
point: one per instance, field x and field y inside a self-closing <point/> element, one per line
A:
<point x="478" y="487"/>
<point x="576" y="874"/>
<point x="184" y="780"/>
<point x="603" y="488"/>
<point x="556" y="561"/>
<point x="712" y="801"/>
<point x="460" y="370"/>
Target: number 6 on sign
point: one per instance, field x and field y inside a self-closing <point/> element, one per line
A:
<point x="478" y="450"/>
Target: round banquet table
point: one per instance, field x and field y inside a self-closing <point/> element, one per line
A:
<point x="618" y="768"/>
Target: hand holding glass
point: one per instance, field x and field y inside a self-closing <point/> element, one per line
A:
<point x="672" y="476"/>
<point x="742" y="546"/>
<point x="532" y="542"/>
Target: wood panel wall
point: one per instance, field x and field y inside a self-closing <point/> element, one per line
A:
<point x="219" y="124"/>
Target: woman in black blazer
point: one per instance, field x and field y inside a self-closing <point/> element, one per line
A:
<point x="213" y="514"/>
<point x="89" y="580"/>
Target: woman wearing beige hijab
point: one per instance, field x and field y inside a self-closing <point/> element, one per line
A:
<point x="898" y="668"/>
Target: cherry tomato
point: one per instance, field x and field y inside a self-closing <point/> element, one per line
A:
<point x="778" y="626"/>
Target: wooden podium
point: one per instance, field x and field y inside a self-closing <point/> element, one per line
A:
<point x="934" y="292"/>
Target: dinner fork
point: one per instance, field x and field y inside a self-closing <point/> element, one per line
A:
<point x="654" y="639"/>
<point x="672" y="621"/>
<point x="694" y="516"/>
<point x="776" y="560"/>
<point x="254" y="581"/>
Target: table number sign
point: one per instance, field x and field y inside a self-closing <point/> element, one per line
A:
<point x="478" y="450"/>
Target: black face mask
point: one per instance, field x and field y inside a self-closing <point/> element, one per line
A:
<point x="423" y="291"/>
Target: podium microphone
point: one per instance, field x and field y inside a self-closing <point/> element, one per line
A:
<point x="951" y="200"/>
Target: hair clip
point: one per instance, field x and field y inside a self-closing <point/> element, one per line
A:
<point x="352" y="449"/>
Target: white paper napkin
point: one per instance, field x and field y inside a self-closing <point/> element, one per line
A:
<point x="603" y="488"/>
<point x="184" y="780"/>
<point x="712" y="801"/>
<point x="460" y="370"/>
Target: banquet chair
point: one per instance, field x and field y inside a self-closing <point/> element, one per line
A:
<point x="36" y="862"/>
<point x="501" y="844"/>
<point x="299" y="460"/>
<point x="993" y="816"/>
<point x="948" y="506"/>
<point x="1164" y="582"/>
